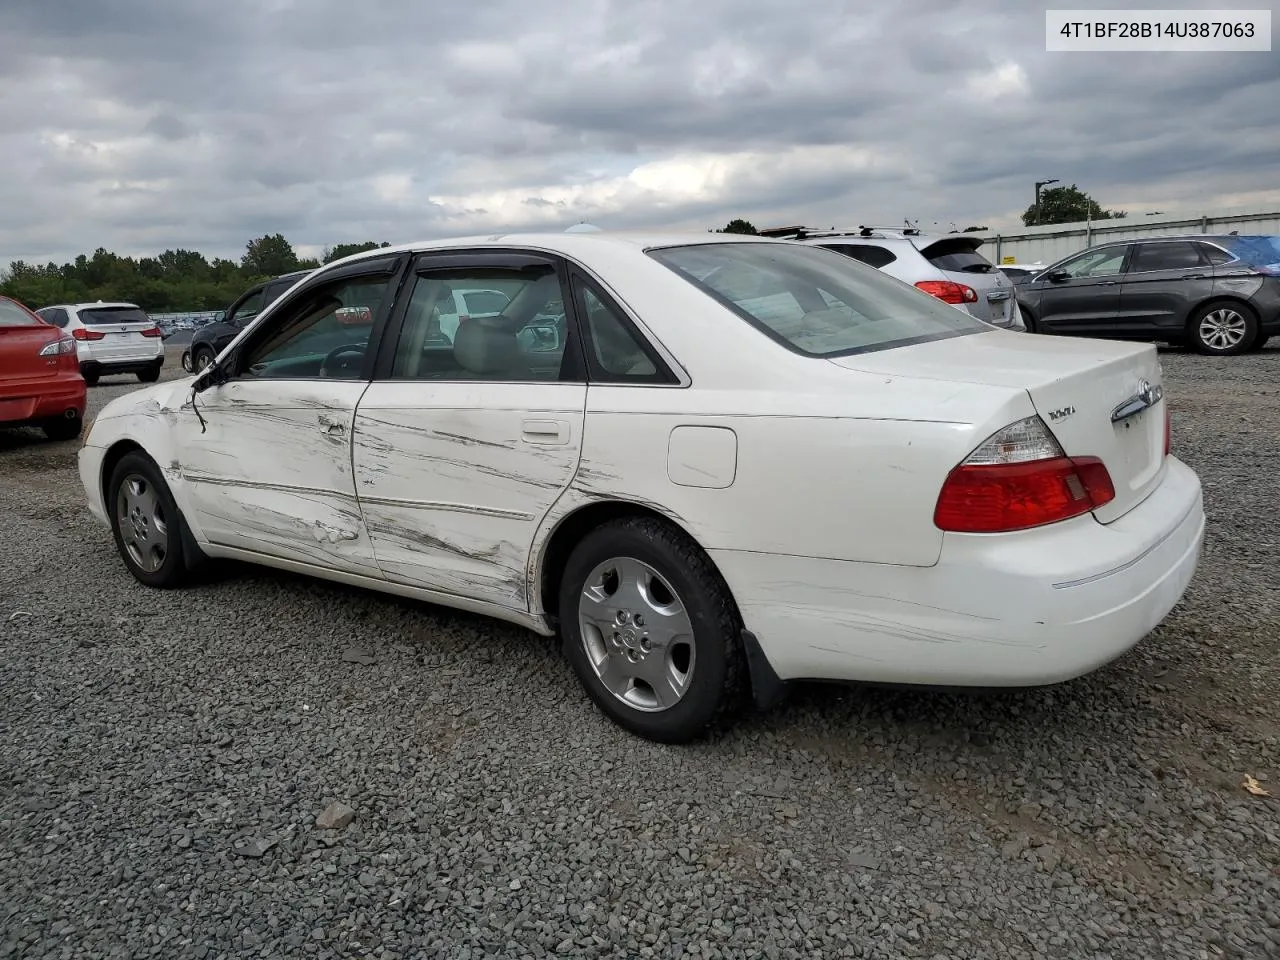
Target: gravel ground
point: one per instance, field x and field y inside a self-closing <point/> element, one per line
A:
<point x="165" y="757"/>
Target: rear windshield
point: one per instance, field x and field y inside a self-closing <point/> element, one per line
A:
<point x="12" y="315"/>
<point x="98" y="316"/>
<point x="814" y="301"/>
<point x="1260" y="251"/>
<point x="956" y="256"/>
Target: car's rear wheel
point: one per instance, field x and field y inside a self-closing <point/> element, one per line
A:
<point x="151" y="374"/>
<point x="201" y="358"/>
<point x="90" y="377"/>
<point x="1223" y="328"/>
<point x="146" y="523"/>
<point x="652" y="631"/>
<point x="62" y="428"/>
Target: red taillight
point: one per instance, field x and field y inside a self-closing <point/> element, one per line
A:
<point x="61" y="347"/>
<point x="84" y="333"/>
<point x="948" y="291"/>
<point x="152" y="332"/>
<point x="1017" y="479"/>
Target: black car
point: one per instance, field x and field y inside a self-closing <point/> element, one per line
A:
<point x="211" y="339"/>
<point x="1217" y="294"/>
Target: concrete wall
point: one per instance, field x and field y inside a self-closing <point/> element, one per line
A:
<point x="1052" y="243"/>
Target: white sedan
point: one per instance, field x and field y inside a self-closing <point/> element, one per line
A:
<point x="711" y="464"/>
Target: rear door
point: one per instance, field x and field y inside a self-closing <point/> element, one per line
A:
<point x="1086" y="300"/>
<point x="121" y="327"/>
<point x="462" y="443"/>
<point x="1164" y="281"/>
<point x="957" y="257"/>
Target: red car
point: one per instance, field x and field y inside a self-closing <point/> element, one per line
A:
<point x="40" y="382"/>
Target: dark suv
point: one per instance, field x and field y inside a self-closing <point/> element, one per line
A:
<point x="211" y="339"/>
<point x="1217" y="294"/>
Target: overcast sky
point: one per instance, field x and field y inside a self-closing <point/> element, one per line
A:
<point x="141" y="125"/>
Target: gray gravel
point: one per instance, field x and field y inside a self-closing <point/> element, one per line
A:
<point x="165" y="758"/>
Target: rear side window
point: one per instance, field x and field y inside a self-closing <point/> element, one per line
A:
<point x="1169" y="255"/>
<point x="957" y="256"/>
<point x="869" y="254"/>
<point x="1215" y="255"/>
<point x="100" y="316"/>
<point x="12" y="315"/>
<point x="813" y="301"/>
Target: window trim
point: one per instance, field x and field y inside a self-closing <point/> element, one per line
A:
<point x="427" y="262"/>
<point x="393" y="267"/>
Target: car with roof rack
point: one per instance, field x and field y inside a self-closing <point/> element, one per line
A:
<point x="947" y="266"/>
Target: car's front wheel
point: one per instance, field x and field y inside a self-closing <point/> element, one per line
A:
<point x="1223" y="328"/>
<point x="146" y="522"/>
<point x="652" y="630"/>
<point x="201" y="358"/>
<point x="186" y="362"/>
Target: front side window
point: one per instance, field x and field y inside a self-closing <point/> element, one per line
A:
<point x="484" y="323"/>
<point x="324" y="332"/>
<point x="814" y="301"/>
<point x="1096" y="263"/>
<point x="1169" y="255"/>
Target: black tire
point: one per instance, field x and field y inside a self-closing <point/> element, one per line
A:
<point x="171" y="570"/>
<point x="1260" y="342"/>
<point x="62" y="428"/>
<point x="1028" y="319"/>
<point x="91" y="378"/>
<point x="717" y="675"/>
<point x="151" y="374"/>
<point x="187" y="365"/>
<point x="1232" y="312"/>
<point x="201" y="357"/>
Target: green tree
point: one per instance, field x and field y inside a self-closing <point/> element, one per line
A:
<point x="269" y="256"/>
<point x="1067" y="205"/>
<point x="738" y="225"/>
<point x="347" y="249"/>
<point x="974" y="229"/>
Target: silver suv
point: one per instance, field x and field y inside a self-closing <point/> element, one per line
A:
<point x="948" y="266"/>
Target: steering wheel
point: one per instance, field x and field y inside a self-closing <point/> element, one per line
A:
<point x="344" y="361"/>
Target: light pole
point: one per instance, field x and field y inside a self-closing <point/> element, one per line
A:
<point x="1039" y="184"/>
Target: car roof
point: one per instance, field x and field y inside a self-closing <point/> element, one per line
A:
<point x="565" y="243"/>
<point x="97" y="304"/>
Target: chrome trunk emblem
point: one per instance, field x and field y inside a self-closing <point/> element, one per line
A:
<point x="1148" y="395"/>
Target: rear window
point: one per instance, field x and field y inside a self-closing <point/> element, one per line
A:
<point x="98" y="316"/>
<point x="957" y="256"/>
<point x="12" y="315"/>
<point x="813" y="301"/>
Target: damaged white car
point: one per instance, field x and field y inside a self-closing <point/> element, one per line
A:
<point x="711" y="464"/>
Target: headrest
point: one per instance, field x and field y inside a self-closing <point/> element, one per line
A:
<point x="481" y="346"/>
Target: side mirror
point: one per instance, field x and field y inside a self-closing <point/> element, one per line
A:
<point x="1057" y="276"/>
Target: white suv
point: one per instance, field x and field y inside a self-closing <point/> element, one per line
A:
<point x="948" y="266"/>
<point x="110" y="338"/>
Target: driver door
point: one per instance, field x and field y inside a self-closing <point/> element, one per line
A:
<point x="1087" y="300"/>
<point x="269" y="470"/>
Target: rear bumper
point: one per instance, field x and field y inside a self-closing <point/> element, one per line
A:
<point x="25" y="403"/>
<point x="108" y="367"/>
<point x="1027" y="609"/>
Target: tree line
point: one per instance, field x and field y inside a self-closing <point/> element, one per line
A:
<point x="173" y="281"/>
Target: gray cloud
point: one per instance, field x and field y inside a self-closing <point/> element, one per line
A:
<point x="145" y="124"/>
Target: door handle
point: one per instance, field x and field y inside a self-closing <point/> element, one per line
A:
<point x="545" y="431"/>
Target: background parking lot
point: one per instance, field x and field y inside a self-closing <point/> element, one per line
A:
<point x="165" y="755"/>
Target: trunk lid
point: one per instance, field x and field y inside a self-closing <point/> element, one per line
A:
<point x="1077" y="386"/>
<point x="958" y="259"/>
<point x="22" y="335"/>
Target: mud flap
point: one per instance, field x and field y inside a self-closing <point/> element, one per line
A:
<point x="767" y="688"/>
